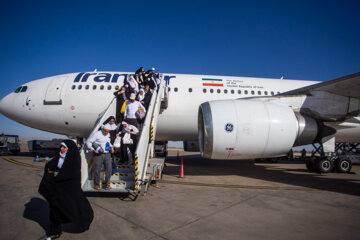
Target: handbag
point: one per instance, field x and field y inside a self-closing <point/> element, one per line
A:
<point x="140" y="114"/>
<point x="117" y="142"/>
<point x="127" y="139"/>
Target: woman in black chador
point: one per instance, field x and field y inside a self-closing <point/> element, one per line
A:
<point x="61" y="188"/>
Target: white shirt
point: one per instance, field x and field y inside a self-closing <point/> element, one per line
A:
<point x="98" y="138"/>
<point x="131" y="109"/>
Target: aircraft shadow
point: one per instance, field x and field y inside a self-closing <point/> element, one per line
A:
<point x="197" y="166"/>
<point x="38" y="210"/>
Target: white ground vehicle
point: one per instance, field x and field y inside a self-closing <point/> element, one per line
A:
<point x="9" y="144"/>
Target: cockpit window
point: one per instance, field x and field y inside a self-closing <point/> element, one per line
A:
<point x="23" y="89"/>
<point x="17" y="90"/>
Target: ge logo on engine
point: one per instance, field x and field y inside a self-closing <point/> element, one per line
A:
<point x="229" y="127"/>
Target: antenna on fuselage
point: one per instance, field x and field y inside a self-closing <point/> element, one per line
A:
<point x="282" y="77"/>
<point x="95" y="70"/>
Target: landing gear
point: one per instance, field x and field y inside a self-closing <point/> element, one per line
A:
<point x="338" y="160"/>
<point x="325" y="165"/>
<point x="343" y="165"/>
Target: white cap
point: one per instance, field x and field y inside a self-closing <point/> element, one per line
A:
<point x="132" y="96"/>
<point x="153" y="69"/>
<point x="123" y="122"/>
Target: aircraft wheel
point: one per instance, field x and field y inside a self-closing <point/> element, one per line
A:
<point x="343" y="165"/>
<point x="325" y="165"/>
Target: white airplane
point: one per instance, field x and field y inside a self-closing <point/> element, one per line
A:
<point x="229" y="117"/>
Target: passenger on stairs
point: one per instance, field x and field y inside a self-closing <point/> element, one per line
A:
<point x="141" y="95"/>
<point x="157" y="79"/>
<point x="100" y="144"/>
<point x="149" y="79"/>
<point x="133" y="85"/>
<point x="129" y="142"/>
<point x="147" y="98"/>
<point x="113" y="128"/>
<point x="120" y="99"/>
<point x="130" y="111"/>
<point x="139" y="76"/>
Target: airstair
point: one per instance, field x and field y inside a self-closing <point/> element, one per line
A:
<point x="130" y="178"/>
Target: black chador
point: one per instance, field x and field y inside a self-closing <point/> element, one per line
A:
<point x="61" y="187"/>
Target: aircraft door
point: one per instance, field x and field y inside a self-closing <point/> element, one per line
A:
<point x="53" y="91"/>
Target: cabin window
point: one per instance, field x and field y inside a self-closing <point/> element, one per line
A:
<point x="246" y="92"/>
<point x="94" y="87"/>
<point x="190" y="89"/>
<point x="175" y="89"/>
<point x="259" y="92"/>
<point x="239" y="91"/>
<point x="218" y="91"/>
<point x="272" y="93"/>
<point x="252" y="92"/>
<point x="278" y="92"/>
<point x="17" y="90"/>
<point x="73" y="87"/>
<point x="117" y="87"/>
<point x="225" y="91"/>
<point x="87" y="87"/>
<point x="232" y="91"/>
<point x="211" y="90"/>
<point x="101" y="87"/>
<point x="79" y="87"/>
<point x="109" y="87"/>
<point x="266" y="93"/>
<point x="169" y="89"/>
<point x="204" y="90"/>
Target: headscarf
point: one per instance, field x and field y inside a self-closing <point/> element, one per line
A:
<point x="141" y="97"/>
<point x="62" y="155"/>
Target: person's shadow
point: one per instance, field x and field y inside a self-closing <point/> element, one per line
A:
<point x="38" y="211"/>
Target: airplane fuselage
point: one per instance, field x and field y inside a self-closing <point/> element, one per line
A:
<point x="69" y="104"/>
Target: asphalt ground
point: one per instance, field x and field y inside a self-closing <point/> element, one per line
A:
<point x="215" y="200"/>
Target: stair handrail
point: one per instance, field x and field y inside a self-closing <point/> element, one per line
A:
<point x="144" y="143"/>
<point x="153" y="126"/>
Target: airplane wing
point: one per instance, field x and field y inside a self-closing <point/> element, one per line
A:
<point x="347" y="86"/>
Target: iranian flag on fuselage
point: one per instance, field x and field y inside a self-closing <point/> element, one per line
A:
<point x="213" y="82"/>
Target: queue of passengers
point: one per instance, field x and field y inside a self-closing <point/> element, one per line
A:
<point x="133" y="99"/>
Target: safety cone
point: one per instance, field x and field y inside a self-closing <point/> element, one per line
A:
<point x="182" y="168"/>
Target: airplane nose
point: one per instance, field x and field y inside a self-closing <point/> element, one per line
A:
<point x="1" y="106"/>
<point x="6" y="105"/>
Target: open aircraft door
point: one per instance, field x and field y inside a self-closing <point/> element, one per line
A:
<point x="53" y="91"/>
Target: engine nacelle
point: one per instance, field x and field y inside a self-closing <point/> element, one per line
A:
<point x="243" y="129"/>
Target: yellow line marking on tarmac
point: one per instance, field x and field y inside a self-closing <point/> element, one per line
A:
<point x="239" y="186"/>
<point x="21" y="163"/>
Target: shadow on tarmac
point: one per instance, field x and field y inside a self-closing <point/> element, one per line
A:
<point x="38" y="211"/>
<point x="195" y="165"/>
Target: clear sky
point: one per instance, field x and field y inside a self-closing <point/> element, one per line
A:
<point x="311" y="40"/>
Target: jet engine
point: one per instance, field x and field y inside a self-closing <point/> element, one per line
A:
<point x="243" y="129"/>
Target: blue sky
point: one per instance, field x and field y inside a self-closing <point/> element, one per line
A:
<point x="311" y="40"/>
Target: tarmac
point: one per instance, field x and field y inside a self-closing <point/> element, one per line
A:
<point x="217" y="199"/>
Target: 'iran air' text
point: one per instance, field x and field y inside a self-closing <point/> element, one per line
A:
<point x="109" y="78"/>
